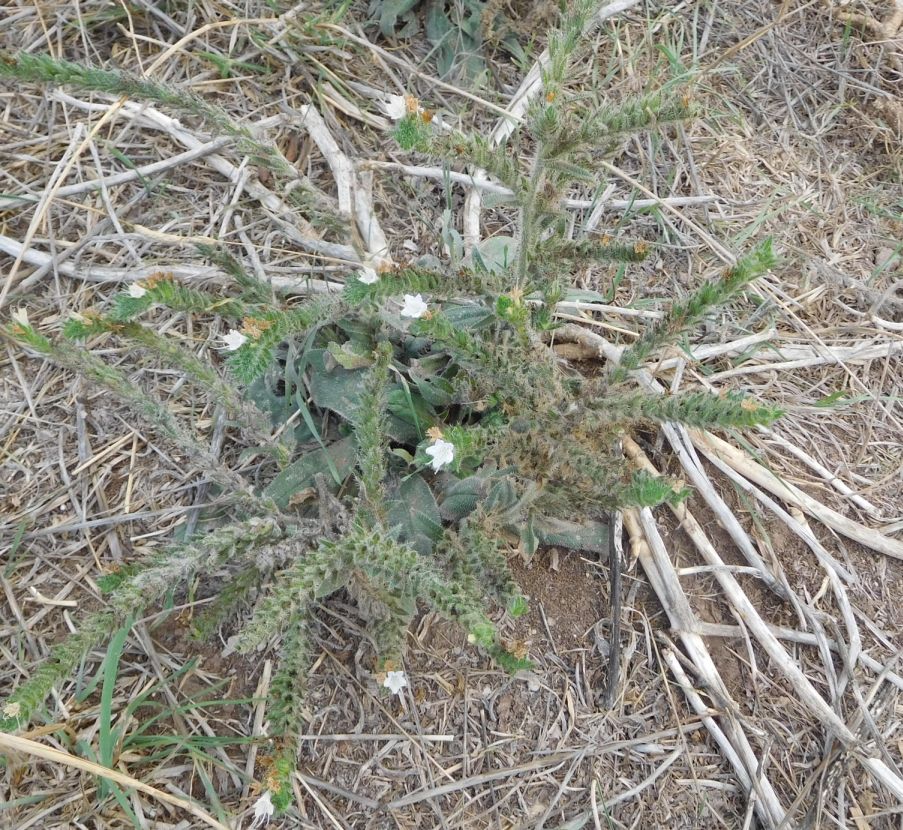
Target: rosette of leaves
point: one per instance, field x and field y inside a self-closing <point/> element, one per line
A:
<point x="322" y="378"/>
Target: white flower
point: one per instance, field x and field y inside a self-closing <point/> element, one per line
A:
<point x="442" y="453"/>
<point x="368" y="275"/>
<point x="20" y="316"/>
<point x="12" y="710"/>
<point x="414" y="306"/>
<point x="395" y="681"/>
<point x="263" y="809"/>
<point x="395" y="107"/>
<point x="137" y="291"/>
<point x="234" y="340"/>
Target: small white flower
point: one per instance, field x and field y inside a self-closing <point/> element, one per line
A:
<point x="395" y="107"/>
<point x="414" y="306"/>
<point x="368" y="275"/>
<point x="263" y="810"/>
<point x="395" y="681"/>
<point x="442" y="453"/>
<point x="20" y="316"/>
<point x="234" y="340"/>
<point x="137" y="291"/>
<point x="12" y="710"/>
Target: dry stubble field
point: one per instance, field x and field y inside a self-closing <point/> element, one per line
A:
<point x="777" y="674"/>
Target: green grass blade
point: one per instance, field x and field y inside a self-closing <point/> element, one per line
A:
<point x="106" y="738"/>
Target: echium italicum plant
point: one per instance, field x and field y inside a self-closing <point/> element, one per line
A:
<point x="417" y="426"/>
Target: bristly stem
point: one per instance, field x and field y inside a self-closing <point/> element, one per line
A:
<point x="57" y="72"/>
<point x="371" y="433"/>
<point x="152" y="410"/>
<point x="528" y="221"/>
<point x="683" y="316"/>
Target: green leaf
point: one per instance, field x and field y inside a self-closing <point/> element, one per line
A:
<point x="453" y="240"/>
<point x="410" y="408"/>
<point x="106" y="739"/>
<point x="462" y="497"/>
<point x="11" y="558"/>
<point x="496" y="254"/>
<point x="338" y="390"/>
<point x="311" y="426"/>
<point x="483" y="634"/>
<point x="438" y="26"/>
<point x="590" y="536"/>
<point x="414" y="513"/>
<point x="647" y="490"/>
<point x="279" y="407"/>
<point x="331" y="583"/>
<point x="348" y="357"/>
<point x="529" y="538"/>
<point x="468" y="316"/>
<point x="508" y="661"/>
<point x="107" y="583"/>
<point x="437" y="392"/>
<point x="836" y="398"/>
<point x="404" y="455"/>
<point x="411" y="133"/>
<point x="127" y="162"/>
<point x="390" y="11"/>
<point x="502" y="496"/>
<point x="299" y="475"/>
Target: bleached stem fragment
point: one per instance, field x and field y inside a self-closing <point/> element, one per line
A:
<point x="791" y="495"/>
<point x="649" y="548"/>
<point x="530" y="87"/>
<point x="747" y="612"/>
